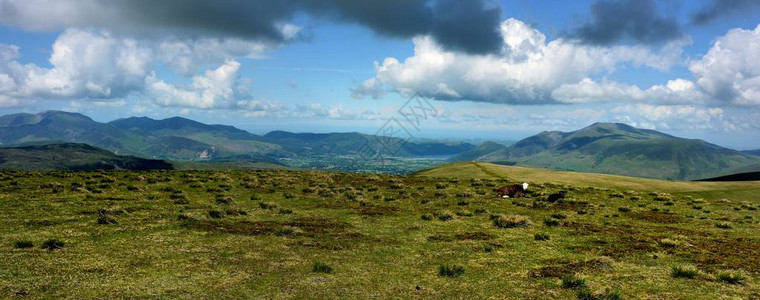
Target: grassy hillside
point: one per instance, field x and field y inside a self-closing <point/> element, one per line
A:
<point x="72" y="157"/>
<point x="619" y="149"/>
<point x="297" y="234"/>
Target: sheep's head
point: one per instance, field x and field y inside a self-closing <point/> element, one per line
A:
<point x="525" y="186"/>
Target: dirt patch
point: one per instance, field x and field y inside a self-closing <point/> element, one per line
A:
<point x="319" y="233"/>
<point x="657" y="217"/>
<point x="468" y="236"/>
<point x="558" y="268"/>
<point x="376" y="210"/>
<point x="615" y="240"/>
<point x="726" y="253"/>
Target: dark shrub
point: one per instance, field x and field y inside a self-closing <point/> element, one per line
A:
<point x="541" y="236"/>
<point x="24" y="244"/>
<point x="551" y="222"/>
<point x="571" y="281"/>
<point x="215" y="214"/>
<point x="450" y="270"/>
<point x="445" y="216"/>
<point x="267" y="205"/>
<point x="53" y="244"/>
<point x="320" y="267"/>
<point x="559" y="216"/>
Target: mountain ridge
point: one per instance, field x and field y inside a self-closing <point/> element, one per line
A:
<point x="615" y="148"/>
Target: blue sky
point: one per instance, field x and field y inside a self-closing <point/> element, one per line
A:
<point x="492" y="70"/>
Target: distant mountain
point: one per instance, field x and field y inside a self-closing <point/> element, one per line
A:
<point x="72" y="157"/>
<point x="752" y="152"/>
<point x="180" y="138"/>
<point x="184" y="139"/>
<point x="481" y="151"/>
<point x="174" y="138"/>
<point x="619" y="149"/>
<point x="58" y="126"/>
<point x="307" y="144"/>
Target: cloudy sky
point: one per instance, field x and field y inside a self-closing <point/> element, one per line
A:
<point x="492" y="69"/>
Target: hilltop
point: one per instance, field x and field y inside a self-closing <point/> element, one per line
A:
<point x="613" y="148"/>
<point x="72" y="157"/>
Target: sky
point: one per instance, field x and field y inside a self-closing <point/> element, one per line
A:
<point x="484" y="69"/>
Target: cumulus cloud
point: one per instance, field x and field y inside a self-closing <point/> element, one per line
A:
<point x="730" y="71"/>
<point x="728" y="74"/>
<point x="100" y="65"/>
<point x="369" y="88"/>
<point x="617" y="20"/>
<point x="719" y="8"/>
<point x="676" y="91"/>
<point x="527" y="70"/>
<point x="530" y="70"/>
<point x="462" y="26"/>
<point x="214" y="89"/>
<point x="85" y="64"/>
<point x="673" y="117"/>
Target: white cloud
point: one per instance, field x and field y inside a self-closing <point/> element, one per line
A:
<point x="187" y="56"/>
<point x="676" y="91"/>
<point x="85" y="64"/>
<point x="370" y="87"/>
<point x="730" y="71"/>
<point x="97" y="65"/>
<point x="526" y="72"/>
<point x="729" y="74"/>
<point x="214" y="89"/>
<point x="672" y="117"/>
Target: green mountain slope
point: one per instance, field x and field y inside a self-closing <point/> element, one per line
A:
<point x="181" y="138"/>
<point x="173" y="138"/>
<point x="72" y="157"/>
<point x="306" y="144"/>
<point x="620" y="149"/>
<point x="57" y="126"/>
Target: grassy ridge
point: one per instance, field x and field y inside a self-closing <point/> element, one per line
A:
<point x="299" y="234"/>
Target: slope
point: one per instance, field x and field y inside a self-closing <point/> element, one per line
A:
<point x="620" y="149"/>
<point x="72" y="157"/>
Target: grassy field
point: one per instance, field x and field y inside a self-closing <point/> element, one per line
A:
<point x="439" y="234"/>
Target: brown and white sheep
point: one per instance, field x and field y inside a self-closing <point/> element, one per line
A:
<point x="512" y="191"/>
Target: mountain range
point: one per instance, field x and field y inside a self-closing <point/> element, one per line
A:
<point x="614" y="148"/>
<point x="601" y="148"/>
<point x="183" y="139"/>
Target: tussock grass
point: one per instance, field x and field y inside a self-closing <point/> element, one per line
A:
<point x="684" y="271"/>
<point x="513" y="221"/>
<point x="731" y="277"/>
<point x="446" y="270"/>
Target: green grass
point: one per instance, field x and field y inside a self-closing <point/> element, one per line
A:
<point x="686" y="271"/>
<point x="375" y="248"/>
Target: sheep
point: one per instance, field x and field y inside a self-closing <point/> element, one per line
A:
<point x="512" y="191"/>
